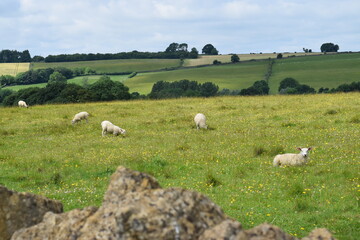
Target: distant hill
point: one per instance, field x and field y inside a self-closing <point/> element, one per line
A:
<point x="313" y="69"/>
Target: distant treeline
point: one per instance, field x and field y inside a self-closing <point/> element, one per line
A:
<point x="41" y="75"/>
<point x="62" y="92"/>
<point x="59" y="91"/>
<point x="121" y="55"/>
<point x="13" y="56"/>
<point x="10" y="56"/>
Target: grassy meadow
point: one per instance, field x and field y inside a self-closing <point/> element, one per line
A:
<point x="231" y="162"/>
<point x="209" y="59"/>
<point x="231" y="76"/>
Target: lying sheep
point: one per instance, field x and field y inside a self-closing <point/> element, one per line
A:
<point x="22" y="104"/>
<point x="108" y="127"/>
<point x="200" y="121"/>
<point x="80" y="116"/>
<point x="292" y="159"/>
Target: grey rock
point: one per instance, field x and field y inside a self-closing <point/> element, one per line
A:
<point x="20" y="210"/>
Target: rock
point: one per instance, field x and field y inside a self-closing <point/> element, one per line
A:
<point x="57" y="226"/>
<point x="136" y="207"/>
<point x="20" y="210"/>
<point x="228" y="229"/>
<point x="265" y="232"/>
<point x="319" y="234"/>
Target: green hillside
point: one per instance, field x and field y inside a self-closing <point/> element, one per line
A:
<point x="231" y="76"/>
<point x="328" y="71"/>
<point x="317" y="71"/>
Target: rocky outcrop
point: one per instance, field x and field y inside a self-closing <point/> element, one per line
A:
<point x="136" y="207"/>
<point x="21" y="210"/>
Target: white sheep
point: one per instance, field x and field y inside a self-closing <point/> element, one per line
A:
<point x="292" y="159"/>
<point x="22" y="104"/>
<point x="108" y="127"/>
<point x="80" y="116"/>
<point x="200" y="121"/>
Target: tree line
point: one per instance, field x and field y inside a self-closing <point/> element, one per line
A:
<point x="173" y="51"/>
<point x="59" y="91"/>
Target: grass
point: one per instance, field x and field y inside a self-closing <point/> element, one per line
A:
<point x="41" y="152"/>
<point x="119" y="65"/>
<point x="232" y="76"/>
<point x="209" y="59"/>
<point x="318" y="71"/>
<point x="13" y="68"/>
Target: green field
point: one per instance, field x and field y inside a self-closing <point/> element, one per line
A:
<point x="209" y="59"/>
<point x="231" y="76"/>
<point x="93" y="78"/>
<point x="231" y="163"/>
<point x="119" y="65"/>
<point x="328" y="71"/>
<point x="318" y="71"/>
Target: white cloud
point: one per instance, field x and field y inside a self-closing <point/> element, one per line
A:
<point x="241" y="9"/>
<point x="67" y="26"/>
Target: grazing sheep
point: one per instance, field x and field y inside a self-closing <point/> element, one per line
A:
<point x="108" y="127"/>
<point x="292" y="159"/>
<point x="80" y="116"/>
<point x="22" y="104"/>
<point x="200" y="121"/>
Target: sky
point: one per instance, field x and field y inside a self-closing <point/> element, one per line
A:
<point x="51" y="27"/>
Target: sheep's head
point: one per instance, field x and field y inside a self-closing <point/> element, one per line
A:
<point x="122" y="131"/>
<point x="304" y="151"/>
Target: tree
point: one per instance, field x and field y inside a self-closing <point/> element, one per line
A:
<point x="173" y="47"/>
<point x="194" y="53"/>
<point x="183" y="47"/>
<point x="279" y="56"/>
<point x="25" y="56"/>
<point x="288" y="83"/>
<point x="208" y="89"/>
<point x="329" y="47"/>
<point x="258" y="88"/>
<point x="209" y="49"/>
<point x="57" y="77"/>
<point x="107" y="90"/>
<point x="38" y="59"/>
<point x="235" y="58"/>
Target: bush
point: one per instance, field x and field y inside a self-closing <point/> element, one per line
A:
<point x="183" y="88"/>
<point x="61" y="92"/>
<point x="235" y="58"/>
<point x="258" y="88"/>
<point x="291" y="86"/>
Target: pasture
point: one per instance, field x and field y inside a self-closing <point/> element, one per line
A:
<point x="318" y="71"/>
<point x="13" y="68"/>
<point x="209" y="59"/>
<point x="231" y="162"/>
<point x="111" y="66"/>
<point x="231" y="76"/>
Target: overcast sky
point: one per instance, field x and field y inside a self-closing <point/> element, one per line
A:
<point x="47" y="27"/>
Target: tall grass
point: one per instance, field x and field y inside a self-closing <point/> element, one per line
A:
<point x="41" y="152"/>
